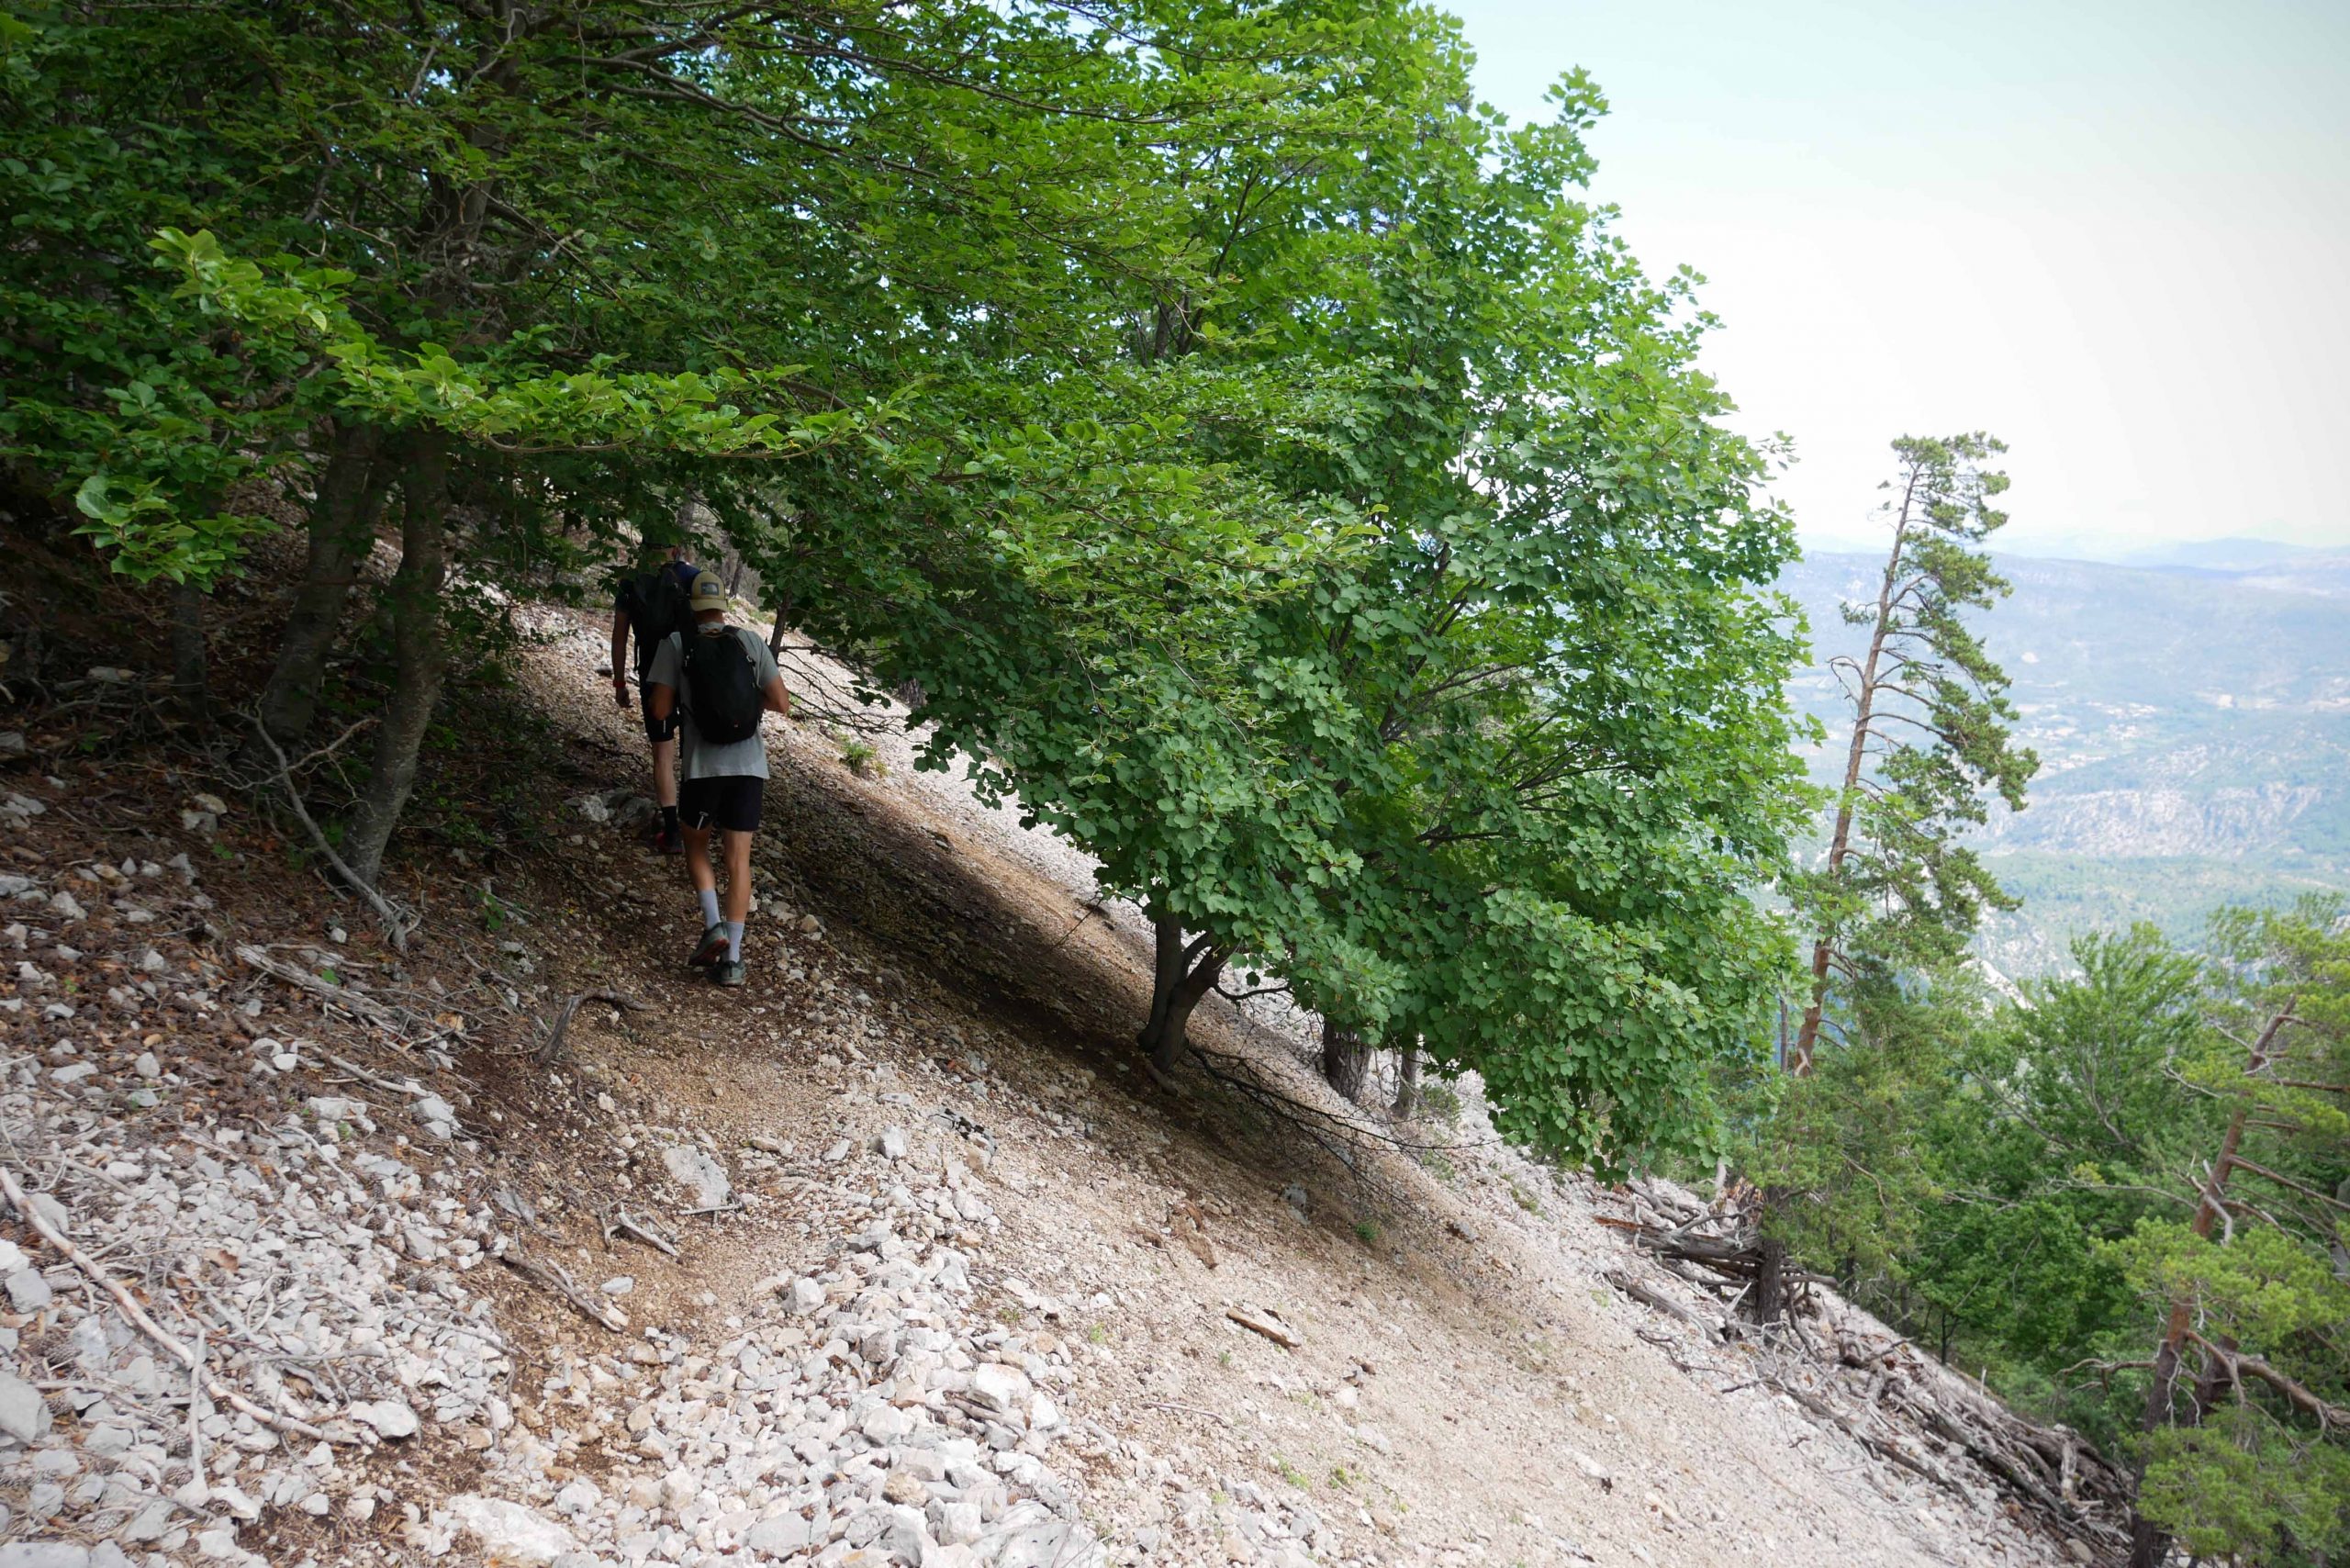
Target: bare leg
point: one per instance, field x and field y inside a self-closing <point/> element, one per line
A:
<point x="664" y="772"/>
<point x="697" y="858"/>
<point x="738" y="874"/>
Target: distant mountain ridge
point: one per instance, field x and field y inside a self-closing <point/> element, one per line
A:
<point x="2256" y="564"/>
<point x="2192" y="721"/>
<point x="2233" y="554"/>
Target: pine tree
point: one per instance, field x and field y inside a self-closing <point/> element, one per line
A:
<point x="1931" y="737"/>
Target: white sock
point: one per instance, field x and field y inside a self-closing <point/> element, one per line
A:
<point x="733" y="940"/>
<point x="709" y="905"/>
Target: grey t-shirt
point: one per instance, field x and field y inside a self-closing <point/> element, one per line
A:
<point x="697" y="759"/>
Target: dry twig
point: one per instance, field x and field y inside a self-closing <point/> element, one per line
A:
<point x="554" y="1044"/>
<point x="396" y="921"/>
<point x="220" y="1391"/>
<point x="366" y="1009"/>
<point x="623" y="1223"/>
<point x="548" y="1274"/>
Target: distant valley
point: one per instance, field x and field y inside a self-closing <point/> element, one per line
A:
<point x="2192" y="720"/>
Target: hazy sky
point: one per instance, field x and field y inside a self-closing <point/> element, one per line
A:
<point x="2117" y="236"/>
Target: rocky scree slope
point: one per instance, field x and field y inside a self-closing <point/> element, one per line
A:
<point x="889" y="1258"/>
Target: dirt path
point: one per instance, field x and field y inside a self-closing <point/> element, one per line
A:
<point x="1467" y="1389"/>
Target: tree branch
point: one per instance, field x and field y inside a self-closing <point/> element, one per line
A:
<point x="2238" y="1364"/>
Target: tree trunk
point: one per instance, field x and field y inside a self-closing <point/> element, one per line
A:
<point x="191" y="682"/>
<point x="2340" y="1252"/>
<point x="786" y="601"/>
<point x="1346" y="1060"/>
<point x="2147" y="1543"/>
<point x="419" y="654"/>
<point x="1768" y="1303"/>
<point x="1166" y="975"/>
<point x="343" y="526"/>
<point x="1408" y="1079"/>
<point x="1840" y="842"/>
<point x="1181" y="976"/>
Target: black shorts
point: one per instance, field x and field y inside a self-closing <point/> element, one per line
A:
<point x="656" y="729"/>
<point x="731" y="802"/>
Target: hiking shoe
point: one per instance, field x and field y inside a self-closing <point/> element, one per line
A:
<point x="668" y="841"/>
<point x="712" y="948"/>
<point x="729" y="971"/>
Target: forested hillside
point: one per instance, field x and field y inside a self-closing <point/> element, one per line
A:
<point x="2193" y="727"/>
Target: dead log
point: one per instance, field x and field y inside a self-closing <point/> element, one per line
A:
<point x="1883" y="1448"/>
<point x="1652" y="1298"/>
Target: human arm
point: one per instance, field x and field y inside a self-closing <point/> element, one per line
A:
<point x="659" y="700"/>
<point x="778" y="700"/>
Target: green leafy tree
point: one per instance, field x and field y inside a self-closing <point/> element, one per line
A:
<point x="515" y="198"/>
<point x="1488" y="758"/>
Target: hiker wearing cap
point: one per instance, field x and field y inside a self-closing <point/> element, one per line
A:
<point x="651" y="607"/>
<point x="723" y="680"/>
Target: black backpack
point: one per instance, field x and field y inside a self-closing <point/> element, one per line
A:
<point x="723" y="687"/>
<point x="656" y="607"/>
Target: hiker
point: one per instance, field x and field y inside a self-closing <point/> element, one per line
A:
<point x="652" y="606"/>
<point x="723" y="680"/>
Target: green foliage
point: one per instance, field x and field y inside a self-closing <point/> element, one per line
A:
<point x="2021" y="1189"/>
<point x="2235" y="1485"/>
<point x="1266" y="464"/>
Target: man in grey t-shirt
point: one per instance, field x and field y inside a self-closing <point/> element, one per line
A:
<point x="723" y="785"/>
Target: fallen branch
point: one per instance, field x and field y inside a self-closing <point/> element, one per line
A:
<point x="1187" y="1409"/>
<point x="548" y="1274"/>
<point x="1884" y="1449"/>
<point x="623" y="1223"/>
<point x="1651" y="1298"/>
<point x="221" y="1391"/>
<point x="396" y="921"/>
<point x="1272" y="1327"/>
<point x="552" y="1046"/>
<point x="366" y="1009"/>
<point x="410" y="1087"/>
